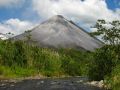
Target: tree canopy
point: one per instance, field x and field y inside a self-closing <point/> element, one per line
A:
<point x="108" y="31"/>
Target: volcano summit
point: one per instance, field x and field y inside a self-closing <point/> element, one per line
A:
<point x="58" y="32"/>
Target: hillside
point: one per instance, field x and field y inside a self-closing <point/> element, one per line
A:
<point x="58" y="32"/>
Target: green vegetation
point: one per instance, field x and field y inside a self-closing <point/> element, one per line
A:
<point x="106" y="60"/>
<point x="113" y="81"/>
<point x="108" y="31"/>
<point x="106" y="66"/>
<point x="18" y="59"/>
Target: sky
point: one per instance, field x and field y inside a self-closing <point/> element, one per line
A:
<point x="17" y="16"/>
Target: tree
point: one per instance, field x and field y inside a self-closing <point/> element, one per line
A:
<point x="108" y="31"/>
<point x="107" y="57"/>
<point x="9" y="34"/>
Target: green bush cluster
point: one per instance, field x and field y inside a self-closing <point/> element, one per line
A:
<point x="113" y="81"/>
<point x="25" y="60"/>
<point x="106" y="60"/>
<point x="106" y="66"/>
<point x="102" y="64"/>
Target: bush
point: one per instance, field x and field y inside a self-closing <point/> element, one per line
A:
<point x="104" y="61"/>
<point x="20" y="57"/>
<point x="75" y="62"/>
<point x="23" y="72"/>
<point x="70" y="66"/>
<point x="48" y="61"/>
<point x="12" y="53"/>
<point x="113" y="81"/>
<point x="6" y="72"/>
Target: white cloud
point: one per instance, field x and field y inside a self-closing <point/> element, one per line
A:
<point x="15" y="26"/>
<point x="87" y="11"/>
<point x="8" y="3"/>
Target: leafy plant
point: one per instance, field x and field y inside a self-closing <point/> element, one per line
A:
<point x="108" y="31"/>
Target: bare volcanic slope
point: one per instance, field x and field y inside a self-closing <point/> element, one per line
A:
<point x="58" y="32"/>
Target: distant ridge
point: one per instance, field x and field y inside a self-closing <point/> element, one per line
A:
<point x="58" y="32"/>
<point x="85" y="31"/>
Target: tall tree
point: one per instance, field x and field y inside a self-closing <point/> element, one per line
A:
<point x="108" y="31"/>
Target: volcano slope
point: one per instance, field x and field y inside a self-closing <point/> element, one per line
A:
<point x="58" y="32"/>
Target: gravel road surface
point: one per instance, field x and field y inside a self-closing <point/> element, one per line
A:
<point x="48" y="84"/>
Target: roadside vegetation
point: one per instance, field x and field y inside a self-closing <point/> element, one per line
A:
<point x="19" y="59"/>
<point x="106" y="60"/>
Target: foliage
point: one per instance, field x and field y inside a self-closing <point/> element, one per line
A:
<point x="109" y="31"/>
<point x="113" y="81"/>
<point x="23" y="59"/>
<point x="106" y="66"/>
<point x="75" y="62"/>
<point x="104" y="61"/>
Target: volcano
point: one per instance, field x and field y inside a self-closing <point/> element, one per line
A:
<point x="58" y="32"/>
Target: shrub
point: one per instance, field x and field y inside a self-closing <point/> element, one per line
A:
<point x="103" y="63"/>
<point x="49" y="62"/>
<point x="75" y="62"/>
<point x="113" y="81"/>
<point x="70" y="66"/>
<point x="6" y="72"/>
<point x="20" y="57"/>
<point x="19" y="54"/>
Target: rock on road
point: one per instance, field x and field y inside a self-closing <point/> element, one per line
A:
<point x="48" y="84"/>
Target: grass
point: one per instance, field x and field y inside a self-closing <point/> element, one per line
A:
<point x="113" y="81"/>
<point x="18" y="59"/>
<point x="16" y="72"/>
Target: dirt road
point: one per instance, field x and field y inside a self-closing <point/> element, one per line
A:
<point x="48" y="84"/>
